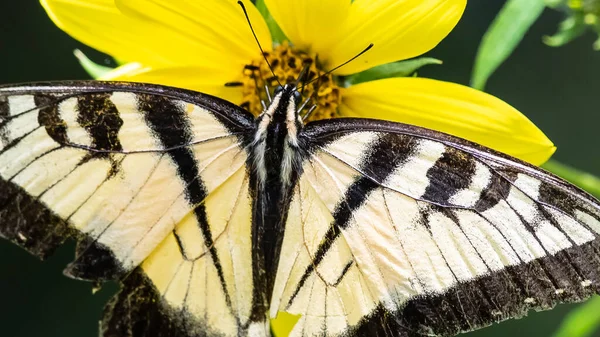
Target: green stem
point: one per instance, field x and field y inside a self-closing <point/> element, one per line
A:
<point x="586" y="181"/>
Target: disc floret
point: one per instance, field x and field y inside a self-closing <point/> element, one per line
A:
<point x="287" y="63"/>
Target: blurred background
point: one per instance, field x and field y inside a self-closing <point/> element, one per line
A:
<point x="558" y="88"/>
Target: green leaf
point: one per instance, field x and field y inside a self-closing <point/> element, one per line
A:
<point x="503" y="36"/>
<point x="586" y="181"/>
<point x="555" y="3"/>
<point x="276" y="33"/>
<point x="93" y="69"/>
<point x="120" y="62"/>
<point x="568" y="30"/>
<point x="581" y="322"/>
<point x="395" y="69"/>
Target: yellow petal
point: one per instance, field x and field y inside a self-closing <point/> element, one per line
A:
<point x="100" y="24"/>
<point x="215" y="29"/>
<point x="450" y="108"/>
<point x="206" y="80"/>
<point x="283" y="324"/>
<point x="309" y="24"/>
<point x="398" y="29"/>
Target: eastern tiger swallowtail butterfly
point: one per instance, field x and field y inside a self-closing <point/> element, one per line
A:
<point x="215" y="221"/>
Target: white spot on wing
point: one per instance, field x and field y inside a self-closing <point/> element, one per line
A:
<point x="20" y="103"/>
<point x="524" y="205"/>
<point x="468" y="197"/>
<point x="378" y="252"/>
<point x="20" y="126"/>
<point x="588" y="220"/>
<point x="528" y="185"/>
<point x="352" y="148"/>
<point x="68" y="112"/>
<point x="134" y="134"/>
<point x="551" y="237"/>
<point x="411" y="177"/>
<point x="22" y="237"/>
<point x="578" y="233"/>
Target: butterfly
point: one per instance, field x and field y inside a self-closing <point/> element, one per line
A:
<point x="214" y="221"/>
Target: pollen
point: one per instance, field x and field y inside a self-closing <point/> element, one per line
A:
<point x="189" y="108"/>
<point x="287" y="63"/>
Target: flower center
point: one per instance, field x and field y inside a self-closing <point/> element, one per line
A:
<point x="287" y="63"/>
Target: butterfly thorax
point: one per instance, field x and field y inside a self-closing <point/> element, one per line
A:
<point x="275" y="143"/>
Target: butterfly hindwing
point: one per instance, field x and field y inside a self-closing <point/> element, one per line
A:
<point x="153" y="184"/>
<point x="401" y="231"/>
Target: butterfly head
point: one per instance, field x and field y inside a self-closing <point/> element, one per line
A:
<point x="285" y="105"/>
<point x="290" y="97"/>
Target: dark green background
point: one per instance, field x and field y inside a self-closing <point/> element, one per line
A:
<point x="556" y="87"/>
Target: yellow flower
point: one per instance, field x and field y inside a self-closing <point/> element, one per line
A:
<point x="202" y="45"/>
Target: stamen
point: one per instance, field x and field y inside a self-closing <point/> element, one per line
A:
<point x="303" y="105"/>
<point x="306" y="117"/>
<point x="234" y="84"/>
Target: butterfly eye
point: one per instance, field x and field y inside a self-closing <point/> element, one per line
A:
<point x="278" y="89"/>
<point x="297" y="97"/>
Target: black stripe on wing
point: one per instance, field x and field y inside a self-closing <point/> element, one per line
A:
<point x="452" y="172"/>
<point x="383" y="156"/>
<point x="159" y="113"/>
<point x="99" y="116"/>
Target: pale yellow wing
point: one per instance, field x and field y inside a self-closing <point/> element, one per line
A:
<point x="406" y="232"/>
<point x="151" y="181"/>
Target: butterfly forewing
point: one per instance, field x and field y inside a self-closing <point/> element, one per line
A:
<point x="400" y="231"/>
<point x="153" y="184"/>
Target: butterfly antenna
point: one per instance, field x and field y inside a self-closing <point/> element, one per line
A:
<point x="310" y="111"/>
<point x="302" y="74"/>
<point x="343" y="64"/>
<point x="268" y="93"/>
<point x="307" y="77"/>
<point x="314" y="95"/>
<point x="256" y="39"/>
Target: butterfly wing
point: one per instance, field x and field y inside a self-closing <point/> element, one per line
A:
<point x="152" y="182"/>
<point x="400" y="231"/>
